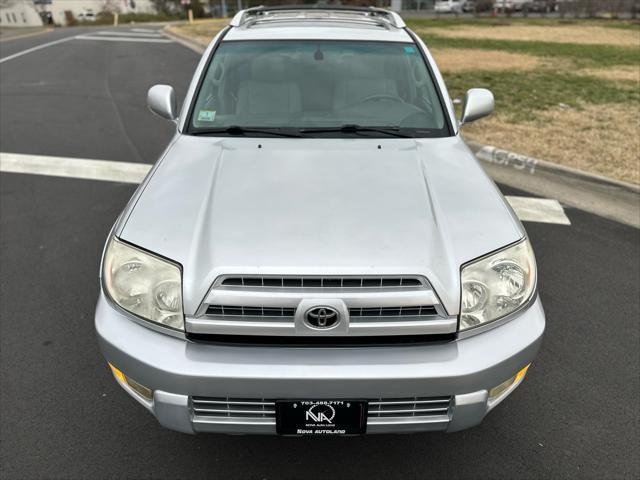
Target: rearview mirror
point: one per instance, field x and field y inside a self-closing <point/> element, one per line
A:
<point x="478" y="103"/>
<point x="161" y="100"/>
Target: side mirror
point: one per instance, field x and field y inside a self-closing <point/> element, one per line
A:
<point x="161" y="100"/>
<point x="478" y="103"/>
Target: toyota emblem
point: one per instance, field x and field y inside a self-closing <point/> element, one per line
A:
<point x="322" y="317"/>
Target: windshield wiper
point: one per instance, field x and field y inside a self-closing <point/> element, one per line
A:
<point x="237" y="130"/>
<point x="352" y="128"/>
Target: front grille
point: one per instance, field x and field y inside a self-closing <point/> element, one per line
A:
<point x="409" y="407"/>
<point x="242" y="311"/>
<point x="233" y="407"/>
<point x="257" y="408"/>
<point x="420" y="311"/>
<point x="321" y="282"/>
<point x="242" y="307"/>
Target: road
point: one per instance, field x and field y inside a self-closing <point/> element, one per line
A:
<point x="63" y="416"/>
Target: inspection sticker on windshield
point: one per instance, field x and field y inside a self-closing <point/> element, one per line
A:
<point x="206" y="115"/>
<point x="409" y="50"/>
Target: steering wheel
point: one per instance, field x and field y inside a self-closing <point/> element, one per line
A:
<point x="376" y="97"/>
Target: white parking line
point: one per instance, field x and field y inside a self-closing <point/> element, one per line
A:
<point x="127" y="33"/>
<point x="123" y="39"/>
<point x="528" y="209"/>
<point x="39" y="47"/>
<point x="74" y="167"/>
<point x="544" y="210"/>
<point x="104" y="36"/>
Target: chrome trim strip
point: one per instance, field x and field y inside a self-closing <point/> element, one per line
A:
<point x="446" y="400"/>
<point x="234" y="327"/>
<point x="280" y="298"/>
<point x="398" y="327"/>
<point x="232" y="402"/>
<point x="235" y="420"/>
<point x="256" y="413"/>
<point x="424" y="327"/>
<point x="379" y="413"/>
<point x="407" y="420"/>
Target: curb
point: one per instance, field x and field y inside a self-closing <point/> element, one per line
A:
<point x="491" y="154"/>
<point x="185" y="40"/>
<point x="597" y="194"/>
<point x="25" y="35"/>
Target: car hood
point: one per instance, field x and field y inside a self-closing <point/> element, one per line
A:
<point x="319" y="206"/>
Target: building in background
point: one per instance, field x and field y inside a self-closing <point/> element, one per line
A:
<point x="19" y="13"/>
<point x="61" y="10"/>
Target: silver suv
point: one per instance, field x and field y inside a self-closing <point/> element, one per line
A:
<point x="317" y="251"/>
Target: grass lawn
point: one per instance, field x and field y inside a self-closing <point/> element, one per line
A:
<point x="567" y="91"/>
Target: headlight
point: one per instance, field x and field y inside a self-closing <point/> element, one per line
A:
<point x="144" y="284"/>
<point x="497" y="285"/>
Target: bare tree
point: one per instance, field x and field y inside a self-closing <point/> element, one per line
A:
<point x="111" y="6"/>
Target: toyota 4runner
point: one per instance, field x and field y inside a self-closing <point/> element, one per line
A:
<point x="317" y="251"/>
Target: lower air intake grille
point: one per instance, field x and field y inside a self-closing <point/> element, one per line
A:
<point x="212" y="407"/>
<point x="233" y="407"/>
<point x="409" y="407"/>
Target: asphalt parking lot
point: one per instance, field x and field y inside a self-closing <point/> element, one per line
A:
<point x="63" y="416"/>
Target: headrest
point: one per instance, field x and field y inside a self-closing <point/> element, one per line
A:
<point x="268" y="68"/>
<point x="365" y="65"/>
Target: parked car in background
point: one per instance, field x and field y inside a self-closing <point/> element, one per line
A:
<point x="477" y="6"/>
<point x="542" y="6"/>
<point x="87" y="16"/>
<point x="449" y="6"/>
<point x="469" y="6"/>
<point x="510" y="5"/>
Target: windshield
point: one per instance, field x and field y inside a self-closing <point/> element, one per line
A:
<point x="324" y="85"/>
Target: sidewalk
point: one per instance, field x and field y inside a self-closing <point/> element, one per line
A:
<point x="10" y="33"/>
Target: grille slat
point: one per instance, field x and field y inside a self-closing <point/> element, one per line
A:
<point x="408" y="402"/>
<point x="346" y="282"/>
<point x="234" y="402"/>
<point x="232" y="411"/>
<point x="412" y="410"/>
<point x="242" y="311"/>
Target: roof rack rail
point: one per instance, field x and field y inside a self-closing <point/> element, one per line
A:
<point x="254" y="14"/>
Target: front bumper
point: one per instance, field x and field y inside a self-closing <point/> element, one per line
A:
<point x="177" y="370"/>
